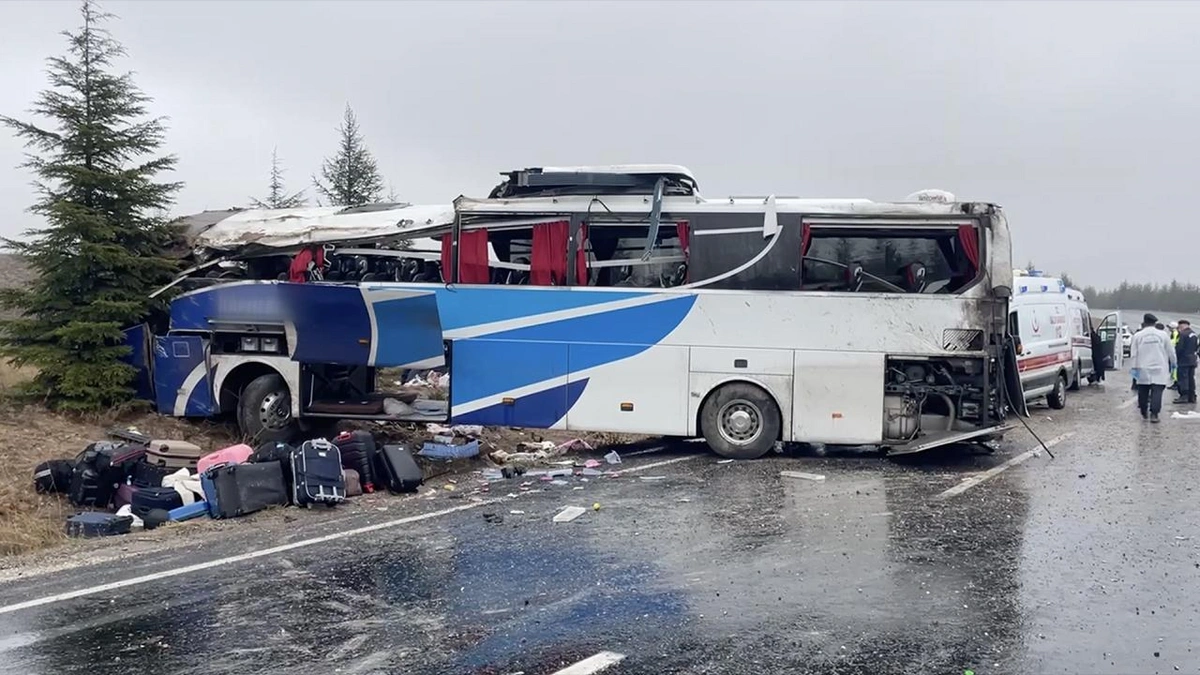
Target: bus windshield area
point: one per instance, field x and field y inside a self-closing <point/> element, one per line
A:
<point x="932" y="260"/>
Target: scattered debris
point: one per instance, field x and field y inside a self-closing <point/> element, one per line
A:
<point x="573" y="445"/>
<point x="1083" y="475"/>
<point x="801" y="474"/>
<point x="439" y="450"/>
<point x="724" y="461"/>
<point x="493" y="517"/>
<point x="596" y="506"/>
<point x="1189" y="415"/>
<point x="612" y="458"/>
<point x="517" y="512"/>
<point x="591" y="464"/>
<point x="568" y="514"/>
<point x="654" y="477"/>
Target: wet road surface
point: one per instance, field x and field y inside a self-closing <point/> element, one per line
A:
<point x="1087" y="563"/>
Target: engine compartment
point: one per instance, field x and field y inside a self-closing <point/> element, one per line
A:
<point x="938" y="394"/>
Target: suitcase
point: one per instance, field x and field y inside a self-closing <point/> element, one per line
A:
<point x="88" y="487"/>
<point x="193" y="510"/>
<point x="353" y="482"/>
<point x="358" y="453"/>
<point x="236" y="490"/>
<point x="279" y="453"/>
<point x="96" y="524"/>
<point x="149" y="498"/>
<point x="146" y="474"/>
<point x="174" y="454"/>
<point x="53" y="476"/>
<point x="397" y="469"/>
<point x="317" y="474"/>
<point x="234" y="454"/>
<point x="124" y="495"/>
<point x="116" y="462"/>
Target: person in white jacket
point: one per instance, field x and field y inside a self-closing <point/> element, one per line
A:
<point x="1151" y="362"/>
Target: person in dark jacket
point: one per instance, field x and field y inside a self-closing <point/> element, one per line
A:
<point x="1187" y="353"/>
<point x="1098" y="363"/>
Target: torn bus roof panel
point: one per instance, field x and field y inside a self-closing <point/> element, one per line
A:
<point x="287" y="228"/>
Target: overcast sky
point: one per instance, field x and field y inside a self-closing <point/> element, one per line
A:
<point x="1081" y="119"/>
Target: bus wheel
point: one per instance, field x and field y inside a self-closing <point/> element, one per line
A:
<point x="1057" y="398"/>
<point x="740" y="421"/>
<point x="265" y="410"/>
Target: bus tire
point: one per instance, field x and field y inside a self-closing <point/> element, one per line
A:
<point x="1057" y="398"/>
<point x="265" y="410"/>
<point x="1075" y="386"/>
<point x="740" y="421"/>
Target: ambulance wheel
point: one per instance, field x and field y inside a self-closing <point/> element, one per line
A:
<point x="1078" y="376"/>
<point x="265" y="410"/>
<point x="1057" y="398"/>
<point x="740" y="421"/>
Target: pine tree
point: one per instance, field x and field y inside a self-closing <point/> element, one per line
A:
<point x="99" y="254"/>
<point x="350" y="178"/>
<point x="277" y="196"/>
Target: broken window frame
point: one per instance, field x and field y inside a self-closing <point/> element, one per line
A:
<point x="949" y="229"/>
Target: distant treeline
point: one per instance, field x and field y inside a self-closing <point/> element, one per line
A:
<point x="1172" y="297"/>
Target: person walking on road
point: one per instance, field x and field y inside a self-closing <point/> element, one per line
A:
<point x="1187" y="354"/>
<point x="1151" y="360"/>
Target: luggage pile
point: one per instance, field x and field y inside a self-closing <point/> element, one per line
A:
<point x="134" y="481"/>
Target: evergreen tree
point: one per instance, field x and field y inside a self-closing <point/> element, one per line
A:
<point x="99" y="254"/>
<point x="350" y="177"/>
<point x="277" y="196"/>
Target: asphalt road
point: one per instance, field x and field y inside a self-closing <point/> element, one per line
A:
<point x="1000" y="563"/>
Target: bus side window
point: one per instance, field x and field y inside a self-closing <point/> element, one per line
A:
<point x="893" y="260"/>
<point x="615" y="254"/>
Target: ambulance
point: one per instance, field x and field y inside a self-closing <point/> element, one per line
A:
<point x="1052" y="325"/>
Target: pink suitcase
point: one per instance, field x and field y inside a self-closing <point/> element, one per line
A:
<point x="234" y="454"/>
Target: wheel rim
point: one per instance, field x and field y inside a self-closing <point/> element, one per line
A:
<point x="740" y="422"/>
<point x="275" y="412"/>
<point x="1061" y="390"/>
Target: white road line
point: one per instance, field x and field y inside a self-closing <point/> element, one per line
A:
<point x="969" y="483"/>
<point x="199" y="567"/>
<point x="592" y="664"/>
<point x="1127" y="404"/>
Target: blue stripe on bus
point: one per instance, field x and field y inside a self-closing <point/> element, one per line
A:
<point x="509" y="360"/>
<point x="464" y="306"/>
<point x="539" y="410"/>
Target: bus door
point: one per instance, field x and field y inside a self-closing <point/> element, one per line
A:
<point x="138" y="340"/>
<point x="182" y="387"/>
<point x="1110" y="340"/>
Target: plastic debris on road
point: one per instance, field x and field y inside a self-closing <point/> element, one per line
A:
<point x="802" y="475"/>
<point x="612" y="458"/>
<point x="1189" y="415"/>
<point x="447" y="451"/>
<point x="568" y="514"/>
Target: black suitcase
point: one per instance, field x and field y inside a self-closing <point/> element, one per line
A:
<point x="241" y="489"/>
<point x="88" y="487"/>
<point x="147" y="499"/>
<point x="146" y="474"/>
<point x="396" y="468"/>
<point x="358" y="453"/>
<point x="279" y="453"/>
<point x="317" y="474"/>
<point x="53" y="476"/>
<point x="96" y="524"/>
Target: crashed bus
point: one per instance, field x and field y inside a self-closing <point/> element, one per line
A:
<point x="603" y="299"/>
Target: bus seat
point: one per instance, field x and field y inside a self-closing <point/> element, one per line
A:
<point x="914" y="277"/>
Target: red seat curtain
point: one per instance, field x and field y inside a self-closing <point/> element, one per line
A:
<point x="548" y="257"/>
<point x="298" y="270"/>
<point x="473" y="257"/>
<point x="447" y="248"/>
<point x="969" y="239"/>
<point x="805" y="239"/>
<point x="684" y="234"/>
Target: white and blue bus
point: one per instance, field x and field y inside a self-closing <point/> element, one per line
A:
<point x="615" y="299"/>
